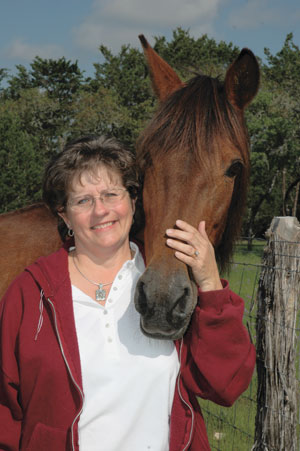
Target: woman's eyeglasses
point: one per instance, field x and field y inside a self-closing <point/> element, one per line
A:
<point x="109" y="198"/>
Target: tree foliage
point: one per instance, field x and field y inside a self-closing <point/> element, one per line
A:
<point x="274" y="128"/>
<point x="20" y="180"/>
<point x="51" y="102"/>
<point x="188" y="55"/>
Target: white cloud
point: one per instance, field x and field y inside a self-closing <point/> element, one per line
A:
<point x="117" y="22"/>
<point x="19" y="48"/>
<point x="257" y="13"/>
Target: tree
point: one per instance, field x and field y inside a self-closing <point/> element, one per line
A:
<point x="273" y="122"/>
<point x="124" y="76"/>
<point x="39" y="116"/>
<point x="19" y="163"/>
<point x="188" y="55"/>
<point x="60" y="78"/>
<point x="3" y="76"/>
<point x="19" y="82"/>
<point x="284" y="71"/>
<point x="98" y="112"/>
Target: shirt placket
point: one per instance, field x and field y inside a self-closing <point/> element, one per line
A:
<point x="108" y="318"/>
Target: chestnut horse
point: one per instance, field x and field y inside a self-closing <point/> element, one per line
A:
<point x="195" y="159"/>
<point x="25" y="235"/>
<point x="196" y="163"/>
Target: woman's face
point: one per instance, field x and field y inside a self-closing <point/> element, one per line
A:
<point x="100" y="228"/>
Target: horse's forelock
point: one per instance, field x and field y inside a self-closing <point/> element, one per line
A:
<point x="191" y="118"/>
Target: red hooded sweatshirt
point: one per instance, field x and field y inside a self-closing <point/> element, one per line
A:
<point x="41" y="392"/>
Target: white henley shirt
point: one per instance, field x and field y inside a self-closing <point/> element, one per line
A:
<point x="128" y="378"/>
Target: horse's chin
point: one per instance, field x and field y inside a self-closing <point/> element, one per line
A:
<point x="168" y="334"/>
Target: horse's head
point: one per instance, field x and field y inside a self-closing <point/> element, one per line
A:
<point x="196" y="161"/>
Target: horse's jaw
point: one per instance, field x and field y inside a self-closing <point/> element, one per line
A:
<point x="165" y="302"/>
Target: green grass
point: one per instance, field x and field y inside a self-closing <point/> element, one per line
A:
<point x="232" y="429"/>
<point x="245" y="270"/>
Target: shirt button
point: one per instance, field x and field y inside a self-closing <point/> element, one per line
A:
<point x="105" y="312"/>
<point x="107" y="325"/>
<point x="115" y="288"/>
<point x="109" y="340"/>
<point x="120" y="277"/>
<point x="110" y="301"/>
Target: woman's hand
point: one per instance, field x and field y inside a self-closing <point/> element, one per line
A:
<point x="193" y="248"/>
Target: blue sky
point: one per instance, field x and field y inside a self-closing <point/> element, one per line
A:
<point x="76" y="28"/>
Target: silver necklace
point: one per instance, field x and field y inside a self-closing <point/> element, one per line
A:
<point x="100" y="293"/>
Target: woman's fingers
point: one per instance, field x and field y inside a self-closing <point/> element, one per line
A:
<point x="201" y="229"/>
<point x="185" y="232"/>
<point x="192" y="247"/>
<point x="181" y="247"/>
<point x="188" y="239"/>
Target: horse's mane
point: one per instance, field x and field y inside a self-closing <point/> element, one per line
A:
<point x="190" y="120"/>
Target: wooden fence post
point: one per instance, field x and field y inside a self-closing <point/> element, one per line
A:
<point x="278" y="295"/>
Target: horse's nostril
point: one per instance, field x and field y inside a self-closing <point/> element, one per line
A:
<point x="179" y="312"/>
<point x="141" y="299"/>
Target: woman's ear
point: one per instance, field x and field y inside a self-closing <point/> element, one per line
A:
<point x="64" y="217"/>
<point x="133" y="201"/>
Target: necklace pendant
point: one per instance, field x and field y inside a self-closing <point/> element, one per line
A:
<point x="100" y="293"/>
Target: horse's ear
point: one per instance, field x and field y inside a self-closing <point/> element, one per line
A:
<point x="164" y="79"/>
<point x="242" y="79"/>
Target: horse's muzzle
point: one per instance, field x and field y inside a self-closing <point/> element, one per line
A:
<point x="165" y="303"/>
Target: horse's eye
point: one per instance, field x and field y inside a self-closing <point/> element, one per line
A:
<point x="234" y="169"/>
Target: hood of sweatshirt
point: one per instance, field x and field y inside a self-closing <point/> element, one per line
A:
<point x="51" y="272"/>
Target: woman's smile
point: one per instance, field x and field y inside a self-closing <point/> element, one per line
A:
<point x="103" y="226"/>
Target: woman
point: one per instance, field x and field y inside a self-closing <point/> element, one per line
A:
<point x="76" y="371"/>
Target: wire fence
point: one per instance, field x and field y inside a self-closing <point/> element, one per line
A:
<point x="239" y="428"/>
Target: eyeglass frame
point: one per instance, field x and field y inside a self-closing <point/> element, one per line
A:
<point x="84" y="207"/>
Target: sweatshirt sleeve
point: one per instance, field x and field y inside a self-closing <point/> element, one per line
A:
<point x="10" y="409"/>
<point x="217" y="356"/>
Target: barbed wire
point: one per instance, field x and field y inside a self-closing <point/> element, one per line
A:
<point x="244" y="269"/>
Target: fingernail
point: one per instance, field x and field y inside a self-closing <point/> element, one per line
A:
<point x="169" y="231"/>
